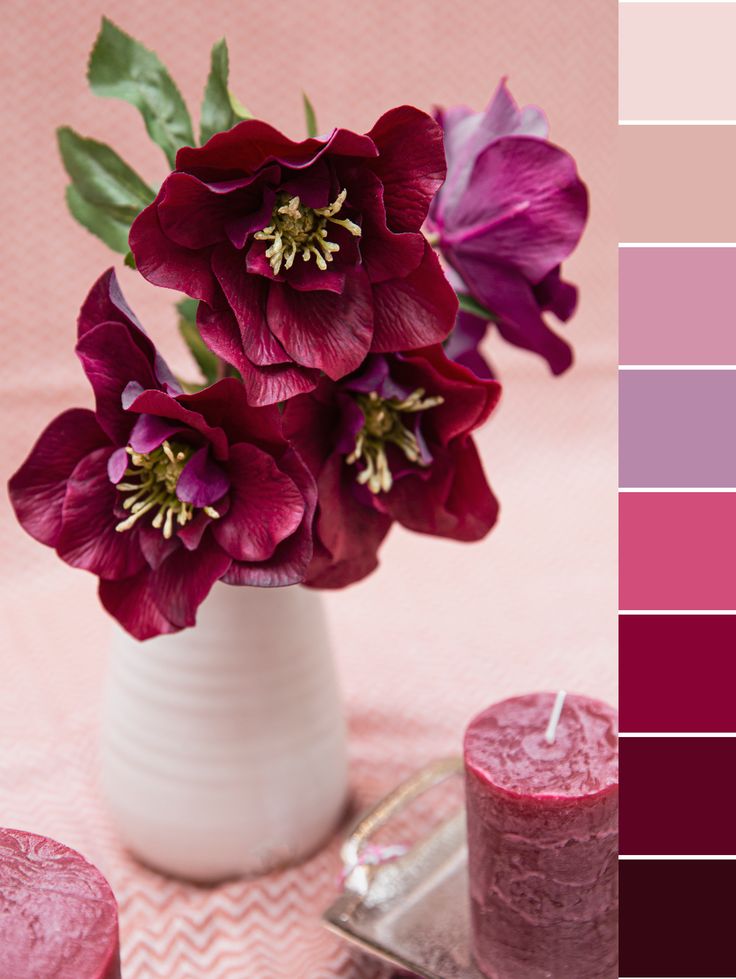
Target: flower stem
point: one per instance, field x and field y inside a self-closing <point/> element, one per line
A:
<point x="470" y="305"/>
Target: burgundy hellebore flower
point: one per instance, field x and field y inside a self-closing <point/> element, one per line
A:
<point x="305" y="256"/>
<point x="161" y="493"/>
<point x="512" y="208"/>
<point x="392" y="443"/>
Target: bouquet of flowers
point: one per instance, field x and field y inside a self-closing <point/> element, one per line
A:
<point x="338" y="289"/>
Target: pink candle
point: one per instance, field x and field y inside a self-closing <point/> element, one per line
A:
<point x="543" y="838"/>
<point x="58" y="916"/>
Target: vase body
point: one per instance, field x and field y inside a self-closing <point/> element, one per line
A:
<point x="223" y="746"/>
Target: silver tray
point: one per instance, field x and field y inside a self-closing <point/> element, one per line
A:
<point x="413" y="910"/>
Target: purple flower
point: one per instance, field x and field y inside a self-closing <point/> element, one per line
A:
<point x="158" y="492"/>
<point x="512" y="208"/>
<point x="305" y="256"/>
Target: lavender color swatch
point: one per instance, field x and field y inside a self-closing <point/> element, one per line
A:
<point x="676" y="306"/>
<point x="676" y="428"/>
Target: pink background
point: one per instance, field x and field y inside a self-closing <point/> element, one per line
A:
<point x="442" y="629"/>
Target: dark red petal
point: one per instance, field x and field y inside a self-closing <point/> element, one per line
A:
<point x="184" y="580"/>
<point x="224" y="405"/>
<point x="385" y="254"/>
<point x="132" y="603"/>
<point x="265" y="506"/>
<point x="322" y="330"/>
<point x="253" y="143"/>
<point x="88" y="538"/>
<point x="247" y="295"/>
<point x="415" y="311"/>
<point x="202" y="482"/>
<point x="164" y="263"/>
<point x="111" y="360"/>
<point x="288" y="564"/>
<point x="190" y="213"/>
<point x="411" y="164"/>
<point x="161" y="404"/>
<point x="455" y="501"/>
<point x="347" y="533"/>
<point x="154" y="546"/>
<point x="37" y="489"/>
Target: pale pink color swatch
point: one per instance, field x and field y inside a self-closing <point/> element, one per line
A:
<point x="676" y="551"/>
<point x="442" y="629"/>
<point x="676" y="61"/>
<point x="675" y="183"/>
<point x="676" y="306"/>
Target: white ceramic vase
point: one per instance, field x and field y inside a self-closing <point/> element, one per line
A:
<point x="223" y="746"/>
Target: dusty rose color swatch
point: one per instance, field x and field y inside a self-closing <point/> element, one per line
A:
<point x="676" y="61"/>
<point x="676" y="551"/>
<point x="676" y="183"/>
<point x="676" y="305"/>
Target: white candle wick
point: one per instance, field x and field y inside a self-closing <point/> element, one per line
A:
<point x="554" y="718"/>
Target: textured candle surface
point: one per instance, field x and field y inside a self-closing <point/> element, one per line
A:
<point x="58" y="916"/>
<point x="543" y="839"/>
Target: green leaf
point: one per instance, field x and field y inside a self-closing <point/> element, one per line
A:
<point x="220" y="109"/>
<point x="309" y="116"/>
<point x="106" y="194"/>
<point x="129" y="260"/>
<point x="471" y="305"/>
<point x="121" y="68"/>
<point x="207" y="362"/>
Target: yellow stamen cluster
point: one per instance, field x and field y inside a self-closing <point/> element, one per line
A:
<point x="383" y="426"/>
<point x="152" y="485"/>
<point x="296" y="229"/>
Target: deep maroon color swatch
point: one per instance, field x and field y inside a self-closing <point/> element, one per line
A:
<point x="678" y="795"/>
<point x="676" y="428"/>
<point x="677" y="918"/>
<point x="677" y="673"/>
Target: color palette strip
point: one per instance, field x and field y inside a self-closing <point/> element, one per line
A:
<point x="677" y="106"/>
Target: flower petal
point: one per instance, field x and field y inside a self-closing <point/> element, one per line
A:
<point x="183" y="581"/>
<point x="88" y="538"/>
<point x="132" y="603"/>
<point x="265" y="506"/>
<point x="415" y="311"/>
<point x="202" y="482"/>
<point x="164" y="263"/>
<point x="322" y="330"/>
<point x="411" y="164"/>
<point x="161" y="404"/>
<point x="525" y="205"/>
<point x="38" y="488"/>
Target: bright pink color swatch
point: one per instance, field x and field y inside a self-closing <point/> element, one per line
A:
<point x="676" y="61"/>
<point x="676" y="551"/>
<point x="676" y="305"/>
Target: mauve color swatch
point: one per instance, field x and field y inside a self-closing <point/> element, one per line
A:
<point x="676" y="428"/>
<point x="678" y="795"/>
<point x="676" y="61"/>
<point x="676" y="305"/>
<point x="677" y="918"/>
<point x="677" y="673"/>
<point x="677" y="551"/>
<point x="676" y="183"/>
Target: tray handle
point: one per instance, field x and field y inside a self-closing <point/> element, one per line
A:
<point x="419" y="783"/>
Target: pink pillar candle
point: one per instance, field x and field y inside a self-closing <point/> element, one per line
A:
<point x="58" y="916"/>
<point x="543" y="839"/>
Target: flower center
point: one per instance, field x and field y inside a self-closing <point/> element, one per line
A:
<point x="296" y="229"/>
<point x="152" y="479"/>
<point x="383" y="426"/>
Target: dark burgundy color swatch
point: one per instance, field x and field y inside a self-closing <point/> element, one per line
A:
<point x="677" y="918"/>
<point x="678" y="795"/>
<point x="677" y="673"/>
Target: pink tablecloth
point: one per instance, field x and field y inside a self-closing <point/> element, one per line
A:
<point x="442" y="629"/>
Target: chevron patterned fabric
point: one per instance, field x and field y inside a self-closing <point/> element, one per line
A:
<point x="442" y="629"/>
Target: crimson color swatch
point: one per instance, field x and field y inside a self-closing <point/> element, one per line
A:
<point x="678" y="795"/>
<point x="677" y="918"/>
<point x="677" y="673"/>
<point x="677" y="551"/>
